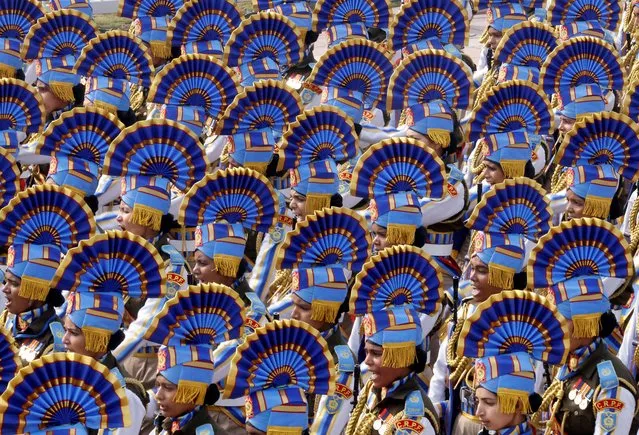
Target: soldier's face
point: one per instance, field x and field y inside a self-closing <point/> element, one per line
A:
<point x="16" y="304"/>
<point x="302" y="312"/>
<point x="488" y="411"/>
<point x="381" y="376"/>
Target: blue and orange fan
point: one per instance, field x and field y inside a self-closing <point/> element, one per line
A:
<point x="579" y="247"/>
<point x="373" y="13"/>
<point x="153" y="8"/>
<point x="528" y="43"/>
<point x="321" y="133"/>
<point x="511" y="106"/>
<point x="21" y="107"/>
<point x="206" y="314"/>
<point x="516" y="321"/>
<point x="606" y="138"/>
<point x="630" y="103"/>
<point x="157" y="147"/>
<point x="430" y="75"/>
<point x="195" y="80"/>
<point x="69" y="389"/>
<point x="10" y="176"/>
<point x="265" y="104"/>
<point x="399" y="164"/>
<point x="581" y="61"/>
<point x="10" y="361"/>
<point x="282" y="353"/>
<point x="265" y="34"/>
<point x="113" y="262"/>
<point x="234" y="195"/>
<point x="204" y="20"/>
<point x="358" y="65"/>
<point x="332" y="236"/>
<point x="116" y="54"/>
<point x="57" y="34"/>
<point x="401" y="275"/>
<point x="607" y="14"/>
<point x="46" y="215"/>
<point x="299" y="12"/>
<point x="514" y="206"/>
<point x="417" y="20"/>
<point x="17" y="17"/>
<point x="84" y="133"/>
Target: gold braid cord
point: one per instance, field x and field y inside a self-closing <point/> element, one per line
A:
<point x="138" y="101"/>
<point x="459" y="365"/>
<point x="281" y="285"/>
<point x="390" y="428"/>
<point x="489" y="81"/>
<point x="361" y="421"/>
<point x="634" y="228"/>
<point x="558" y="180"/>
<point x="554" y="391"/>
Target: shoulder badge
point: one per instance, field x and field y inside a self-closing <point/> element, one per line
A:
<point x="58" y="334"/>
<point x="345" y="360"/>
<point x="607" y="375"/>
<point x="205" y="429"/>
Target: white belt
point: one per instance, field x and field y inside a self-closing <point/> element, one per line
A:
<point x="438" y="250"/>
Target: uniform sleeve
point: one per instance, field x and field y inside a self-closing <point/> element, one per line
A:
<point x="134" y="335"/>
<point x="137" y="411"/>
<point x="612" y="420"/>
<point x="333" y="412"/>
<point x="437" y="390"/>
<point x="627" y="350"/>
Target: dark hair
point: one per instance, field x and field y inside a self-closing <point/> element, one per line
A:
<point x="520" y="280"/>
<point x="420" y="237"/>
<point x="529" y="170"/>
<point x="167" y="223"/>
<point x="212" y="394"/>
<point x="116" y="339"/>
<point x="20" y="74"/>
<point x="535" y="401"/>
<point x="337" y="200"/>
<point x="78" y="95"/>
<point x="54" y="298"/>
<point x="420" y="364"/>
<point x="608" y="324"/>
<point x="127" y="117"/>
<point x="618" y="202"/>
<point x="92" y="202"/>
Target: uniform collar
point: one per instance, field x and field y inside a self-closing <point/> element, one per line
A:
<point x="522" y="428"/>
<point x="28" y="323"/>
<point x="577" y="359"/>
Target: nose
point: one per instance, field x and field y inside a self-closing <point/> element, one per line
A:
<point x="295" y="313"/>
<point x="5" y="289"/>
<point x="118" y="218"/>
<point x="368" y="360"/>
<point x="65" y="339"/>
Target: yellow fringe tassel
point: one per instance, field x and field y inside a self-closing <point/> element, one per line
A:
<point x="597" y="207"/>
<point x="440" y="137"/>
<point x="7" y="72"/>
<point x="96" y="339"/>
<point x="500" y="276"/>
<point x="106" y="107"/>
<point x="398" y="355"/>
<point x="324" y="311"/>
<point x="316" y="202"/>
<point x="146" y="216"/>
<point x="513" y="168"/>
<point x="190" y="392"/>
<point x="509" y="399"/>
<point x="34" y="288"/>
<point x="63" y="91"/>
<point x="283" y="430"/>
<point x="400" y="234"/>
<point x="259" y="167"/>
<point x="160" y="49"/>
<point x="586" y="325"/>
<point x="226" y="265"/>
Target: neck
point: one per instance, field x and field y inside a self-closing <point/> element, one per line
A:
<point x="576" y="343"/>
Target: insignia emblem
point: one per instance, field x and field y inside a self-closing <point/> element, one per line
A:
<point x="248" y="407"/>
<point x="11" y="257"/>
<point x="483" y="145"/>
<point x="563" y="33"/>
<point x="534" y="156"/>
<point x="294" y="177"/>
<point x="502" y="74"/>
<point x="609" y="420"/>
<point x="295" y="280"/>
<point x="122" y="186"/>
<point x="251" y="323"/>
<point x="480" y="372"/>
<point x="372" y="207"/>
<point x="307" y="96"/>
<point x="230" y="144"/>
<point x="479" y="241"/>
<point x="560" y="102"/>
<point x="324" y="97"/>
<point x="451" y="190"/>
<point x="550" y="295"/>
<point x="198" y="237"/>
<point x="332" y="406"/>
<point x="409" y="425"/>
<point x="414" y="399"/>
<point x="368" y="326"/>
<point x="137" y="27"/>
<point x="368" y="115"/>
<point x="162" y="360"/>
<point x="410" y="117"/>
<point x="489" y="16"/>
<point x="53" y="167"/>
<point x="344" y="188"/>
<point x="276" y="234"/>
<point x="615" y="404"/>
<point x="38" y="68"/>
<point x="570" y="177"/>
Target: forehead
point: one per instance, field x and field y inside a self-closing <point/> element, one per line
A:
<point x="476" y="262"/>
<point x="372" y="346"/>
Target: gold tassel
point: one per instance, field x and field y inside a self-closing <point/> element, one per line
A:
<point x="160" y="49"/>
<point x="398" y="355"/>
<point x="63" y="91"/>
<point x="106" y="107"/>
<point x="226" y="265"/>
<point x="324" y="311"/>
<point x="96" y="339"/>
<point x="508" y="400"/>
<point x="513" y="168"/>
<point x="597" y="207"/>
<point x="190" y="392"/>
<point x="586" y="325"/>
<point x="439" y="136"/>
<point x="400" y="234"/>
<point x="147" y="216"/>
<point x="32" y="288"/>
<point x="7" y="72"/>
<point x="316" y="202"/>
<point x="500" y="276"/>
<point x="283" y="430"/>
<point x="259" y="167"/>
